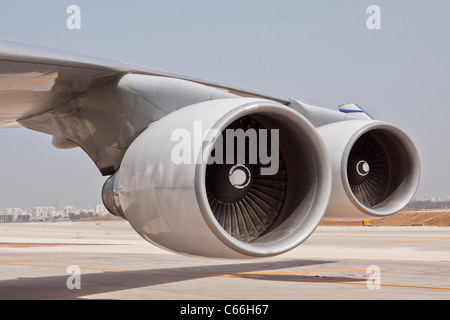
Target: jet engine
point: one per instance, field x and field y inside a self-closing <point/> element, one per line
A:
<point x="375" y="168"/>
<point x="228" y="178"/>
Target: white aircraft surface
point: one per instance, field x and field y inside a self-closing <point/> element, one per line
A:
<point x="205" y="169"/>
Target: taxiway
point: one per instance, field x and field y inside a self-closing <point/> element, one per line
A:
<point x="115" y="263"/>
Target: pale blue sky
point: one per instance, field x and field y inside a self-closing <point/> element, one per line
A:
<point x="319" y="52"/>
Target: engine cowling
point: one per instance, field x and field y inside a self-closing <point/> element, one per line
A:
<point x="376" y="169"/>
<point x="233" y="208"/>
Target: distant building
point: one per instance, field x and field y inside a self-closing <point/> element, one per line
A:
<point x="68" y="210"/>
<point x="6" y="218"/>
<point x="100" y="210"/>
<point x="23" y="218"/>
<point x="50" y="213"/>
<point x="42" y="213"/>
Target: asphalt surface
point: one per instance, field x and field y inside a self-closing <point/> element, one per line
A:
<point x="108" y="260"/>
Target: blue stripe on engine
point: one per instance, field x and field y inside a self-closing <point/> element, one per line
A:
<point x="351" y="111"/>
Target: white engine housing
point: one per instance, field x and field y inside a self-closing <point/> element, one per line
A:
<point x="168" y="204"/>
<point x="394" y="168"/>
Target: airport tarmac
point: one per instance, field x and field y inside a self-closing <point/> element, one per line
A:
<point x="108" y="260"/>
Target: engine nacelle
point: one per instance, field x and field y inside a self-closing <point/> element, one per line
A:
<point x="110" y="196"/>
<point x="375" y="167"/>
<point x="238" y="208"/>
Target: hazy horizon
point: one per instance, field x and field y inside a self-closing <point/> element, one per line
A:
<point x="318" y="52"/>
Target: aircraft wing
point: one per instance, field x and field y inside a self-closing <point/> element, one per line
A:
<point x="167" y="143"/>
<point x="34" y="80"/>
